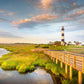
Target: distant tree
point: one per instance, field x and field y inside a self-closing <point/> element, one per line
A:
<point x="83" y="45"/>
<point x="77" y="43"/>
<point x="45" y="46"/>
<point x="51" y="42"/>
<point x="65" y="44"/>
<point x="58" y="43"/>
<point x="69" y="43"/>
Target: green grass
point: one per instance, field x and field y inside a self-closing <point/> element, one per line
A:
<point x="76" y="50"/>
<point x="9" y="65"/>
<point x="22" y="59"/>
<point x="71" y="48"/>
<point x="53" y="47"/>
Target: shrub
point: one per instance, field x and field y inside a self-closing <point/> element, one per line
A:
<point x="9" y="65"/>
<point x="51" y="66"/>
<point x="24" y="68"/>
<point x="31" y="67"/>
<point x="65" y="82"/>
<point x="45" y="46"/>
<point x="58" y="43"/>
<point x="17" y="67"/>
<point x="74" y="81"/>
<point x="37" y="46"/>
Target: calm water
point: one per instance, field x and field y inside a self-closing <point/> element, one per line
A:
<point x="38" y="76"/>
<point x="3" y="51"/>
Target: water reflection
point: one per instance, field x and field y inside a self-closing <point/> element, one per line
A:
<point x="39" y="76"/>
<point x="3" y="51"/>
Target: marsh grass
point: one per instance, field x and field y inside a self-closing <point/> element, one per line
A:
<point x="9" y="65"/>
<point x="21" y="58"/>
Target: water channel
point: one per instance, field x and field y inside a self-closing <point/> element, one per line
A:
<point x="38" y="76"/>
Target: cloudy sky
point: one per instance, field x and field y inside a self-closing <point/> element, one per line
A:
<point x="40" y="21"/>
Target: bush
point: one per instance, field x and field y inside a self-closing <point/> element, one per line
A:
<point x="58" y="43"/>
<point x="31" y="68"/>
<point x="17" y="67"/>
<point x="51" y="66"/>
<point x="65" y="82"/>
<point x="9" y="65"/>
<point x="74" y="81"/>
<point x="54" y="47"/>
<point x="37" y="46"/>
<point x="45" y="46"/>
<point x="24" y="68"/>
<point x="40" y="62"/>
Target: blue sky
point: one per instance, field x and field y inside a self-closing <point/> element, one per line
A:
<point x="40" y="21"/>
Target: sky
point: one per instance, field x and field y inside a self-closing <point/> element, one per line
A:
<point x="40" y="21"/>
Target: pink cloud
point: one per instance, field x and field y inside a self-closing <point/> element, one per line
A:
<point x="2" y="11"/>
<point x="80" y="12"/>
<point x="6" y="13"/>
<point x="44" y="17"/>
<point x="39" y="18"/>
<point x="10" y="13"/>
<point x="74" y="14"/>
<point x="18" y="22"/>
<point x="46" y="4"/>
<point x="67" y="18"/>
<point x="74" y="4"/>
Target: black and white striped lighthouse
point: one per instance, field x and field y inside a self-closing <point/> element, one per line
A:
<point x="62" y="36"/>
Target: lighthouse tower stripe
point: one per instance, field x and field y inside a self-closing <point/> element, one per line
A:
<point x="62" y="36"/>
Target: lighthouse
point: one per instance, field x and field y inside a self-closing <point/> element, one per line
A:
<point x="62" y="36"/>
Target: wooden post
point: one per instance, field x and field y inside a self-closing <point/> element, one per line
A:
<point x="61" y="64"/>
<point x="71" y="72"/>
<point x="66" y="68"/>
<point x="53" y="59"/>
<point x="83" y="65"/>
<point x="56" y="61"/>
<point x="58" y="56"/>
<point x="79" y="77"/>
<point x="74" y="62"/>
<point x="55" y="55"/>
<point x="64" y="58"/>
<point x="68" y="59"/>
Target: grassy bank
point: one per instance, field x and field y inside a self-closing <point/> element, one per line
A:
<point x="22" y="59"/>
<point x="70" y="48"/>
<point x="74" y="49"/>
